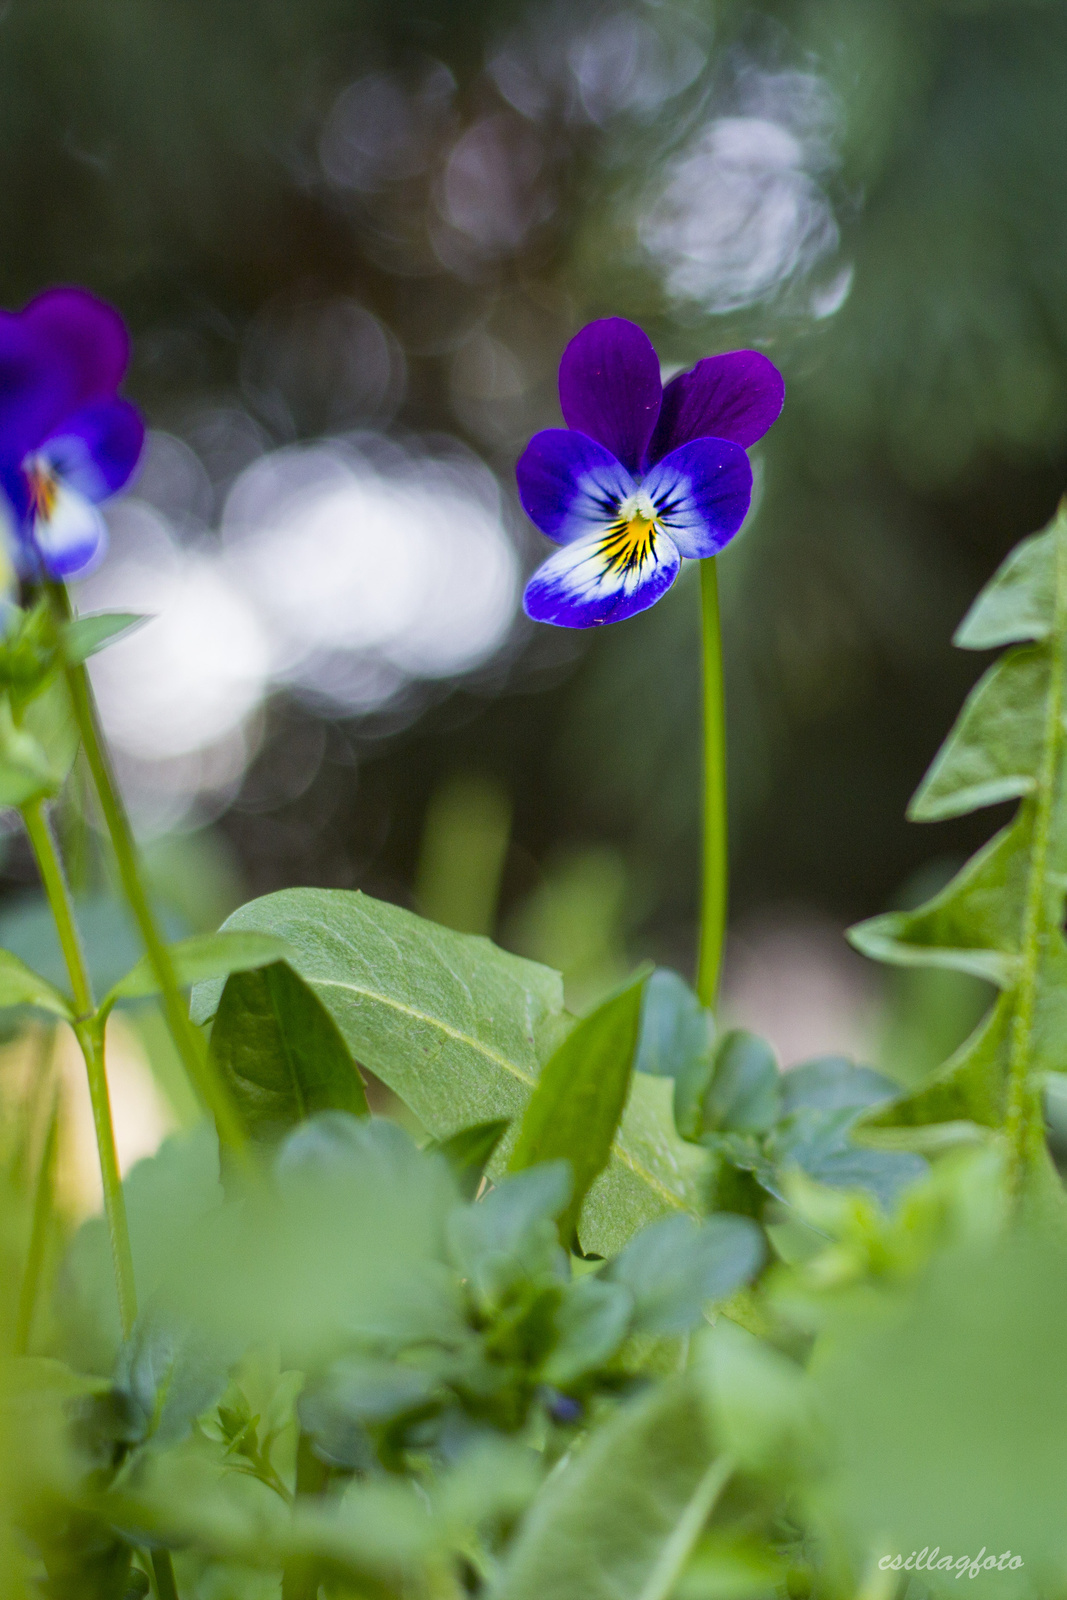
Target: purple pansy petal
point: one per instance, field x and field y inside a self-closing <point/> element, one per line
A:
<point x="579" y="587"/>
<point x="701" y="494"/>
<point x="735" y="396"/>
<point x="86" y="339"/>
<point x="569" y="485"/>
<point x="16" y="495"/>
<point x="96" y="450"/>
<point x="609" y="387"/>
<point x="29" y="388"/>
<point x="73" y="537"/>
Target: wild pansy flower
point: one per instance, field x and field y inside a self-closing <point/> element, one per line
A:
<point x="67" y="442"/>
<point x="642" y="475"/>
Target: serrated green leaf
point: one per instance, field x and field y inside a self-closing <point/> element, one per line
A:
<point x="620" y="1520"/>
<point x="200" y="958"/>
<point x="280" y="1052"/>
<point x="21" y="986"/>
<point x="972" y="925"/>
<point x="1001" y="917"/>
<point x="1019" y="601"/>
<point x="575" y="1110"/>
<point x="994" y="750"/>
<point x="84" y="636"/>
<point x="460" y="1030"/>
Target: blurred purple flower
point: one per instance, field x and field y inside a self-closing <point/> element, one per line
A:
<point x="642" y="475"/>
<point x="67" y="442"/>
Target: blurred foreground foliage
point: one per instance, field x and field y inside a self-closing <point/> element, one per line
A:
<point x="624" y="1312"/>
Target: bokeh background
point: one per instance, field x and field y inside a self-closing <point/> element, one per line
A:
<point x="352" y="238"/>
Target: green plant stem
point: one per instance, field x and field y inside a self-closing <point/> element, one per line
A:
<point x="1023" y="1119"/>
<point x="189" y="1041"/>
<point x="163" y="1571"/>
<point x="90" y="1035"/>
<point x="42" y="1217"/>
<point x="714" y="886"/>
<point x="300" y="1579"/>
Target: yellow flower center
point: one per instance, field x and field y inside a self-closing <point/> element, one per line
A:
<point x="631" y="539"/>
<point x="44" y="489"/>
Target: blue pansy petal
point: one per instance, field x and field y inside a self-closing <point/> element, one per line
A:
<point x="569" y="485"/>
<point x="96" y="450"/>
<point x="701" y="494"/>
<point x="579" y="587"/>
<point x="73" y="538"/>
<point x="735" y="396"/>
<point x="609" y="387"/>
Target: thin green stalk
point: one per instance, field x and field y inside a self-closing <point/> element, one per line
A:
<point x="300" y="1579"/>
<point x="714" y="888"/>
<point x="90" y="1035"/>
<point x="29" y="1288"/>
<point x="187" y="1038"/>
<point x="1023" y="1121"/>
<point x="163" y="1572"/>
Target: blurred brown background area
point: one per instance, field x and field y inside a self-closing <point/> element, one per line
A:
<point x="351" y="241"/>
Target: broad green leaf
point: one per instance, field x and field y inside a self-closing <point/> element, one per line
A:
<point x="820" y="1143"/>
<point x="21" y="986"/>
<point x="169" y="1378"/>
<point x="760" y="1399"/>
<point x="729" y="1567"/>
<point x="199" y="958"/>
<point x="469" y="1152"/>
<point x="676" y="1031"/>
<point x="511" y="1235"/>
<point x="621" y="1518"/>
<point x="574" y="1112"/>
<point x="735" y="1091"/>
<point x="677" y="1267"/>
<point x="1001" y="917"/>
<point x="968" y="1362"/>
<point x="460" y="1030"/>
<point x="166" y="1196"/>
<point x="345" y="1248"/>
<point x="592" y="1321"/>
<point x="109" y="939"/>
<point x="84" y="636"/>
<point x="354" y="1392"/>
<point x="280" y="1052"/>
<point x="833" y="1083"/>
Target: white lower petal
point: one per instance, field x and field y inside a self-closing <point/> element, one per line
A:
<point x="73" y="536"/>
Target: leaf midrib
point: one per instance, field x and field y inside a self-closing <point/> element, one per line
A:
<point x="479" y="1045"/>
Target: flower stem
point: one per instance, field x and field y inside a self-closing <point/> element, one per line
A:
<point x="42" y="1217"/>
<point x="1023" y="1116"/>
<point x="89" y="1032"/>
<point x="163" y="1572"/>
<point x="187" y="1038"/>
<point x="714" y="889"/>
